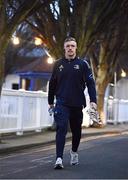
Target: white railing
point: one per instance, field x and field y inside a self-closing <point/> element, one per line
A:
<point x="23" y="111"/>
<point x="116" y="110"/>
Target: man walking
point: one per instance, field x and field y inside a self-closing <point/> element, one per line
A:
<point x="68" y="81"/>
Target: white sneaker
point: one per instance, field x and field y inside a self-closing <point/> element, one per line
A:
<point x="59" y="164"/>
<point x="94" y="116"/>
<point x="74" y="158"/>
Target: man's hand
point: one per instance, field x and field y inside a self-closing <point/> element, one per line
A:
<point x="93" y="106"/>
<point x="50" y="110"/>
<point x="51" y="105"/>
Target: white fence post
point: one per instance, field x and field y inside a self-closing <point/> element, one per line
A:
<point x="116" y="105"/>
<point x="38" y="114"/>
<point x="19" y="119"/>
<point x="105" y="109"/>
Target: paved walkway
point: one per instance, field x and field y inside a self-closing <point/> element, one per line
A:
<point x="12" y="143"/>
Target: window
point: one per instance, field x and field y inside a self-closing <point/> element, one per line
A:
<point x="15" y="86"/>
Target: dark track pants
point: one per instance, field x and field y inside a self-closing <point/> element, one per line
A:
<point x="63" y="116"/>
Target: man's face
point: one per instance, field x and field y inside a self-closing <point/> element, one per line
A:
<point x="70" y="49"/>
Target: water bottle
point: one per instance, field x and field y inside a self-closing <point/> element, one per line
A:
<point x="50" y="111"/>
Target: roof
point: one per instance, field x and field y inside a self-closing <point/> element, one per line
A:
<point x="38" y="65"/>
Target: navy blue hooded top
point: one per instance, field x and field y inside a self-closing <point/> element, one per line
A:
<point x="68" y="82"/>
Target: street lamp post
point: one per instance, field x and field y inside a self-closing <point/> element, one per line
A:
<point x="115" y="99"/>
<point x="115" y="84"/>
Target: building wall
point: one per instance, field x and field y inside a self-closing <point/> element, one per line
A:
<point x="10" y="80"/>
<point x="122" y="89"/>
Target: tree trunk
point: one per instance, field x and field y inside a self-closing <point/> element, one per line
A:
<point x="102" y="80"/>
<point x="3" y="46"/>
<point x="101" y="87"/>
<point x="8" y="27"/>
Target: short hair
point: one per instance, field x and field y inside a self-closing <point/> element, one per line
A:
<point x="69" y="39"/>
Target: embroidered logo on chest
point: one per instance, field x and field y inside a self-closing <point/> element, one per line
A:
<point x="61" y="67"/>
<point x="76" y="66"/>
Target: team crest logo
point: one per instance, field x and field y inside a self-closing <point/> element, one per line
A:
<point x="61" y="67"/>
<point x="76" y="66"/>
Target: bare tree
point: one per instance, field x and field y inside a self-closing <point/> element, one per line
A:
<point x="12" y="13"/>
<point x="111" y="41"/>
<point x="90" y="22"/>
<point x="9" y="20"/>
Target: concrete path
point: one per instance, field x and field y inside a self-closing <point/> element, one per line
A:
<point x="13" y="142"/>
